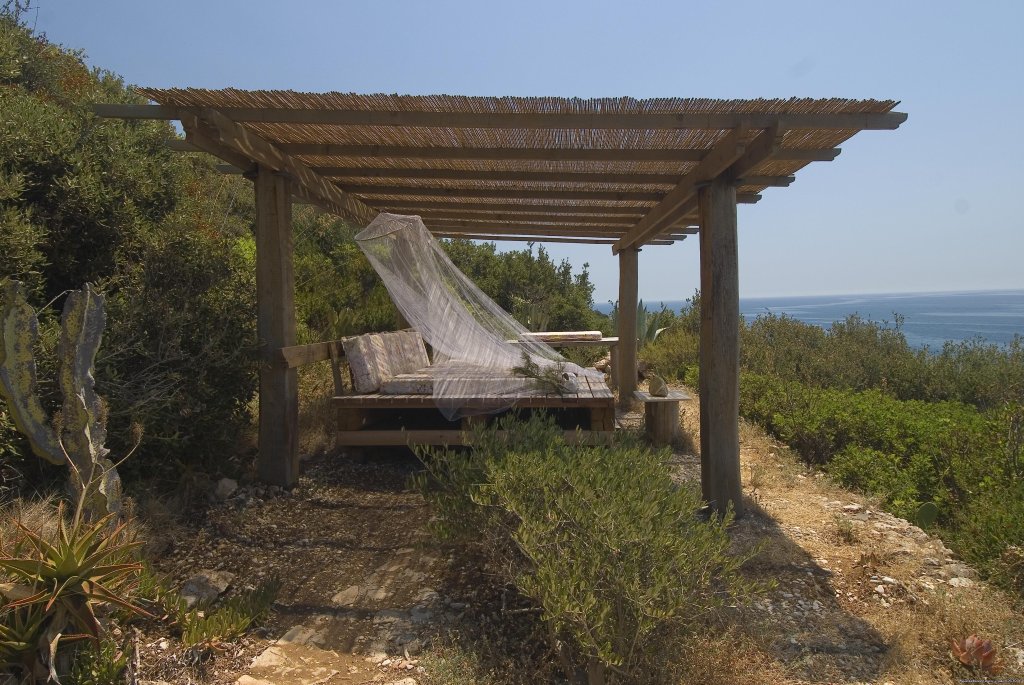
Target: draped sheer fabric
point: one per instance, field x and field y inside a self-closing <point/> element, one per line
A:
<point x="476" y="344"/>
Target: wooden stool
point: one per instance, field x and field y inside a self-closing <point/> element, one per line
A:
<point x="661" y="416"/>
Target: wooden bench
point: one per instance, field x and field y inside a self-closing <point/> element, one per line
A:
<point x="661" y="415"/>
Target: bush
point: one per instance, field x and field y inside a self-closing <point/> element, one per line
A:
<point x="643" y="563"/>
<point x="674" y="354"/>
<point x="989" y="532"/>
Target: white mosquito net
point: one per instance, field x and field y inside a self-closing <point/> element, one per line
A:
<point x="476" y="343"/>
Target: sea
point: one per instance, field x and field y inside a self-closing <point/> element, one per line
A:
<point x="927" y="319"/>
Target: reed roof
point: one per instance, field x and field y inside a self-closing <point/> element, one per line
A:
<point x="616" y="170"/>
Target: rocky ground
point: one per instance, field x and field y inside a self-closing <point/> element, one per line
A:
<point x="859" y="596"/>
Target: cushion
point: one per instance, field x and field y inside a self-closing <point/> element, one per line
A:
<point x="405" y="351"/>
<point x="368" y="361"/>
<point x="409" y="384"/>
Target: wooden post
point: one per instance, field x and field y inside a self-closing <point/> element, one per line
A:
<point x="278" y="461"/>
<point x="626" y="371"/>
<point x="719" y="348"/>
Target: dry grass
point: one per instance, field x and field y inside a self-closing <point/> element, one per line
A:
<point x="820" y="553"/>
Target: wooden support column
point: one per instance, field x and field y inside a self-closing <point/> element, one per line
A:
<point x="626" y="371"/>
<point x="275" y="298"/>
<point x="719" y="348"/>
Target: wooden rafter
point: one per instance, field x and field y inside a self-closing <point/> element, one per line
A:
<point x="507" y="193"/>
<point x="209" y="126"/>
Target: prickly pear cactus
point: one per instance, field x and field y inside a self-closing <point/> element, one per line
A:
<point x="82" y="424"/>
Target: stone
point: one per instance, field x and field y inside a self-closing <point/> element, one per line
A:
<point x="206" y="586"/>
<point x="347" y="597"/>
<point x="225" y="488"/>
<point x="960" y="581"/>
<point x="852" y="508"/>
<point x="403" y="681"/>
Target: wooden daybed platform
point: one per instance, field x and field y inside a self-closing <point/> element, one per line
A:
<point x="366" y="419"/>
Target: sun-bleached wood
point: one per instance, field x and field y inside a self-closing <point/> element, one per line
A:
<point x="719" y="348"/>
<point x="625" y="375"/>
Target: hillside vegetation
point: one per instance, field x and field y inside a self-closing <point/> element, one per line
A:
<point x="169" y="242"/>
<point x="936" y="435"/>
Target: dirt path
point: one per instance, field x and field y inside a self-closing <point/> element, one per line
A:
<point x="859" y="596"/>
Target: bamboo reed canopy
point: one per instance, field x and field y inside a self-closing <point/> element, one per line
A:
<point x="616" y="171"/>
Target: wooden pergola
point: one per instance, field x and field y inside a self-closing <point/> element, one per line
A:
<point x="616" y="171"/>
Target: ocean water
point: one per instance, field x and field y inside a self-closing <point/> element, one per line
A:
<point x="928" y="319"/>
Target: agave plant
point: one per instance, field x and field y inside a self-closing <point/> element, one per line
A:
<point x="56" y="584"/>
<point x="976" y="654"/>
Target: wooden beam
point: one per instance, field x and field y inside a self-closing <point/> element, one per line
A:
<point x="527" y="229"/>
<point x="719" y="349"/>
<point x="499" y="175"/>
<point x="734" y="161"/>
<point x="625" y="375"/>
<point x="541" y="238"/>
<point x="727" y="151"/>
<point x="179" y="145"/>
<point x="505" y="193"/>
<point x="301" y="355"/>
<point x="503" y="154"/>
<point x="769" y="181"/>
<point x="211" y="125"/>
<point x="524" y="120"/>
<point x="500" y="206"/>
<point x="450" y="215"/>
<point x="494" y="154"/>
<point x="278" y="460"/>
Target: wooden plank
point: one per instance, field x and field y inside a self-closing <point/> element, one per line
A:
<point x="278" y="460"/>
<point x="501" y="206"/>
<point x="380" y="400"/>
<point x="502" y="154"/>
<point x="215" y="126"/>
<point x="529" y="229"/>
<point x="628" y="283"/>
<point x="544" y="238"/>
<point x="301" y="355"/>
<point x="397" y="438"/>
<point x="719" y="349"/>
<point x="449" y="216"/>
<point x="505" y="193"/>
<point x="497" y="175"/>
<point x="524" y="120"/>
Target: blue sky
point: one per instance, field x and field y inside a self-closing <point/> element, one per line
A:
<point x="933" y="206"/>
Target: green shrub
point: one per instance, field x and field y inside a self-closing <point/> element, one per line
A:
<point x="643" y="563"/>
<point x="989" y="532"/>
<point x="205" y="628"/>
<point x="674" y="354"/>
<point x="100" y="664"/>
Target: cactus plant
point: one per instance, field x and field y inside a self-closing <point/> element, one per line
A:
<point x="77" y="435"/>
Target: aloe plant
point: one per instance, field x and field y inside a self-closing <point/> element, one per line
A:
<point x="56" y="582"/>
<point x="649" y="324"/>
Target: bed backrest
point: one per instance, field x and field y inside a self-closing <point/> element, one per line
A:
<point x="375" y="357"/>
